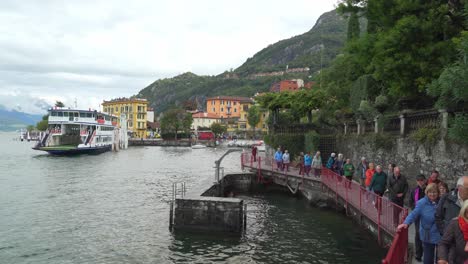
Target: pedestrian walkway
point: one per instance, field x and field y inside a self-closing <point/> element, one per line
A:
<point x="383" y="213"/>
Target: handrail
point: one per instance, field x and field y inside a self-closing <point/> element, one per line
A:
<point x="398" y="252"/>
<point x="380" y="210"/>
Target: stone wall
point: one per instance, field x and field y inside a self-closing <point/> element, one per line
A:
<point x="209" y="214"/>
<point x="413" y="158"/>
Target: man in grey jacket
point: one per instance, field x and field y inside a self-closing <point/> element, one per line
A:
<point x="397" y="188"/>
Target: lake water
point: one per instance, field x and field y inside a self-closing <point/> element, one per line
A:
<point x="113" y="208"/>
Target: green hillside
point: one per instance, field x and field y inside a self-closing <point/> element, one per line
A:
<point x="300" y="51"/>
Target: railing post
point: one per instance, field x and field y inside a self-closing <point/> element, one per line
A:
<point x="360" y="205"/>
<point x="444" y="122"/>
<point x="376" y="125"/>
<point x="402" y="124"/>
<point x="242" y="161"/>
<point x="345" y="128"/>
<point x="259" y="171"/>
<point x="358" y="123"/>
<point x="336" y="190"/>
<point x="379" y="208"/>
<point x="346" y="190"/>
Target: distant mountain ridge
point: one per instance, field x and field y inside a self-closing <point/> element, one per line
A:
<point x="313" y="49"/>
<point x="14" y="120"/>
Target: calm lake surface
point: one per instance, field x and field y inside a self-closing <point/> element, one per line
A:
<point x="113" y="208"/>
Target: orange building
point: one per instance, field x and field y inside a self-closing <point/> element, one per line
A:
<point x="287" y="85"/>
<point x="225" y="106"/>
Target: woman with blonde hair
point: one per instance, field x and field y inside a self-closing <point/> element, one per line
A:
<point x="455" y="238"/>
<point x="424" y="211"/>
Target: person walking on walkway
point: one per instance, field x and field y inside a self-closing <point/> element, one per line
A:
<point x="254" y="153"/>
<point x="378" y="185"/>
<point x="450" y="204"/>
<point x="361" y="171"/>
<point x="286" y="160"/>
<point x="331" y="161"/>
<point x="300" y="163"/>
<point x="369" y="174"/>
<point x="455" y="239"/>
<point x="307" y="163"/>
<point x="348" y="169"/>
<point x="434" y="178"/>
<point x="279" y="159"/>
<point x="338" y="165"/>
<point x="317" y="164"/>
<point x="424" y="211"/>
<point x="443" y="188"/>
<point x="415" y="195"/>
<point x="397" y="187"/>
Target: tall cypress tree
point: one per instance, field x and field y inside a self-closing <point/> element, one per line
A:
<point x="353" y="26"/>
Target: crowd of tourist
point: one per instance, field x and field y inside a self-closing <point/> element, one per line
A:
<point x="440" y="215"/>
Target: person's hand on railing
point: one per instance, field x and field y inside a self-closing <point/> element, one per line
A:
<point x="442" y="262"/>
<point x="400" y="227"/>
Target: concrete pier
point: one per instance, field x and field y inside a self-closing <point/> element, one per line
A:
<point x="217" y="214"/>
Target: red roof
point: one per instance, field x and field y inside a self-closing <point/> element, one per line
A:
<point x="205" y="115"/>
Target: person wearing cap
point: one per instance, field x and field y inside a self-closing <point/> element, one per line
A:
<point x="331" y="161"/>
<point x="361" y="171"/>
<point x="417" y="194"/>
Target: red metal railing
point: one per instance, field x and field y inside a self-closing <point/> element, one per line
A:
<point x="380" y="210"/>
<point x="397" y="253"/>
<point x="385" y="214"/>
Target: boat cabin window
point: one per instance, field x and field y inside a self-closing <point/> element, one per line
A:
<point x="77" y="114"/>
<point x="82" y="114"/>
<point x="89" y="115"/>
<point x="60" y="113"/>
<point x="65" y="113"/>
<point x="53" y="113"/>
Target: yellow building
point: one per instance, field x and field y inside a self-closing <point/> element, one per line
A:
<point x="243" y="123"/>
<point x="136" y="111"/>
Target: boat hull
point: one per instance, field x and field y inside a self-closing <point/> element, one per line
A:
<point x="57" y="151"/>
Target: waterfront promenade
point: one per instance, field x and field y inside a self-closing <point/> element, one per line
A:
<point x="377" y="214"/>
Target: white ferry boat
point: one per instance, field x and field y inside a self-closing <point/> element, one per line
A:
<point x="72" y="132"/>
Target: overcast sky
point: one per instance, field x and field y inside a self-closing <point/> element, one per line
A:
<point x="93" y="50"/>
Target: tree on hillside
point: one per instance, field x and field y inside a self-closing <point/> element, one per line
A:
<point x="353" y="26"/>
<point x="451" y="86"/>
<point x="407" y="45"/>
<point x="43" y="124"/>
<point x="175" y="120"/>
<point x="218" y="129"/>
<point x="30" y="128"/>
<point x="253" y="117"/>
<point x="59" y="104"/>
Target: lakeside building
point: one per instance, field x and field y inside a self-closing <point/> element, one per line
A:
<point x="150" y="115"/>
<point x="287" y="85"/>
<point x="243" y="124"/>
<point x="135" y="110"/>
<point x="225" y="106"/>
<point x="203" y="119"/>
